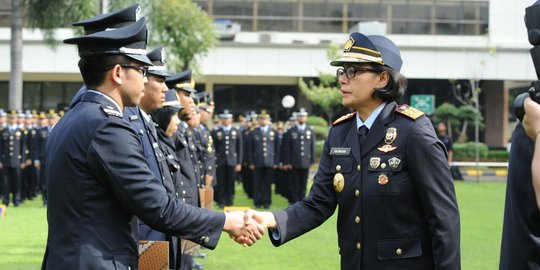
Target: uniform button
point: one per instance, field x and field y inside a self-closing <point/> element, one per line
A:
<point x="302" y="153"/>
<point x="358" y="167"/>
<point x="338" y="168"/>
<point x="226" y="137"/>
<point x="264" y="143"/>
<point x="206" y="239"/>
<point x="399" y="252"/>
<point x="177" y="194"/>
<point x="302" y="148"/>
<point x="227" y="147"/>
<point x="227" y="152"/>
<point x="358" y="246"/>
<point x="182" y="183"/>
<point x="183" y="192"/>
<point x="357" y="193"/>
<point x="357" y="219"/>
<point x="302" y="142"/>
<point x="129" y="267"/>
<point x="184" y="199"/>
<point x="163" y="177"/>
<point x="226" y="142"/>
<point x="264" y="149"/>
<point x="10" y="143"/>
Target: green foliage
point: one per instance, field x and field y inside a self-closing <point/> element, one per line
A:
<point x="447" y="113"/>
<point x="314" y="120"/>
<point x="184" y="29"/>
<point x="318" y="148"/>
<point x="497" y="155"/>
<point x="320" y="132"/>
<point x="467" y="151"/>
<point x="469" y="113"/>
<point x="323" y="95"/>
<point x="48" y="15"/>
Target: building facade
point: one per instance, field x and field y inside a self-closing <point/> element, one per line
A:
<point x="282" y="41"/>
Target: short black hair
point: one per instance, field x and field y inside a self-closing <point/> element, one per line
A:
<point x="163" y="116"/>
<point x="93" y="69"/>
<point x="394" y="89"/>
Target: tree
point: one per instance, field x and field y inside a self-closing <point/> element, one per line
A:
<point x="180" y="26"/>
<point x="468" y="116"/>
<point x="448" y="114"/>
<point x="326" y="93"/>
<point x="185" y="36"/>
<point x="15" y="77"/>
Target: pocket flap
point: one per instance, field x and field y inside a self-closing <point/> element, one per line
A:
<point x="399" y="249"/>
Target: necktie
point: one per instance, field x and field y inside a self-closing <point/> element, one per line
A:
<point x="362" y="133"/>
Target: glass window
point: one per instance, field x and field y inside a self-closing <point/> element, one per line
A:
<point x="278" y="25"/>
<point x="53" y="94"/>
<point x="4" y="95"/>
<point x="369" y="11"/>
<point x="274" y="8"/>
<point x="233" y="7"/>
<point x="32" y="95"/>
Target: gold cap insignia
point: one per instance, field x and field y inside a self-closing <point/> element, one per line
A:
<point x="391" y="135"/>
<point x="348" y="44"/>
<point x="339" y="182"/>
<point x="383" y="179"/>
<point x="374" y="162"/>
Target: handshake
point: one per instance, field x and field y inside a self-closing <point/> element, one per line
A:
<point x="246" y="227"/>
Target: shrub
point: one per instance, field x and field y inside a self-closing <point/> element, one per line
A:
<point x="318" y="149"/>
<point x="497" y="155"/>
<point x="317" y="121"/>
<point x="467" y="151"/>
<point x="320" y="132"/>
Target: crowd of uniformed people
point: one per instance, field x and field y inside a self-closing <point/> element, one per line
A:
<point x="198" y="157"/>
<point x="22" y="142"/>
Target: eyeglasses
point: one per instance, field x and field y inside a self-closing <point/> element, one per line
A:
<point x="351" y="71"/>
<point x="141" y="69"/>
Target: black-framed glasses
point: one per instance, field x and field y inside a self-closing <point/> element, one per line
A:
<point x="142" y="69"/>
<point x="351" y="71"/>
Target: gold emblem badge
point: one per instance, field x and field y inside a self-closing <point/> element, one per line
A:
<point x="383" y="179"/>
<point x="348" y="44"/>
<point x="386" y="148"/>
<point x="374" y="162"/>
<point x="339" y="182"/>
<point x="391" y="135"/>
<point x="394" y="162"/>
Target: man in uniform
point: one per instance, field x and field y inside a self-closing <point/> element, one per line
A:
<point x="247" y="173"/>
<point x="262" y="148"/>
<point x="299" y="154"/>
<point x="3" y="125"/>
<point x="385" y="168"/>
<point x="12" y="160"/>
<point x="102" y="22"/>
<point x="228" y="144"/>
<point x="97" y="176"/>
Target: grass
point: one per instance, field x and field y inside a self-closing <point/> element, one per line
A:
<point x="23" y="234"/>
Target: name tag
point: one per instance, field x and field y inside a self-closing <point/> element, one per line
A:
<point x="337" y="151"/>
<point x="133" y="118"/>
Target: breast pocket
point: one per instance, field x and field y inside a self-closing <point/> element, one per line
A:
<point x="386" y="175"/>
<point x="342" y="172"/>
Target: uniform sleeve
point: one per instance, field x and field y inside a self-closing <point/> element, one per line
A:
<point x="115" y="156"/>
<point x="313" y="210"/>
<point x="428" y="168"/>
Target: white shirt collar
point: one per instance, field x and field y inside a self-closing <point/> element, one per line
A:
<point x="371" y="119"/>
<point x="110" y="99"/>
<point x="301" y="127"/>
<point x="146" y="116"/>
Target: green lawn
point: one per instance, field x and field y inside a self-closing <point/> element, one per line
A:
<point x="24" y="231"/>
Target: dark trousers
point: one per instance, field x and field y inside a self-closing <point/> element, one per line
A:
<point x="247" y="180"/>
<point x="43" y="185"/>
<point x="262" y="183"/>
<point x="225" y="178"/>
<point x="12" y="184"/>
<point x="27" y="182"/>
<point x="297" y="184"/>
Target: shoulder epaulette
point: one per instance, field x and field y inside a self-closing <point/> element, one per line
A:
<point x="111" y="112"/>
<point x="344" y="118"/>
<point x="409" y="111"/>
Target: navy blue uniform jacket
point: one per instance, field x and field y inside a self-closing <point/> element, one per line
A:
<point x="97" y="181"/>
<point x="411" y="221"/>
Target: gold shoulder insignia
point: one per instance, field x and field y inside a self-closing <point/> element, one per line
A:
<point x="111" y="112"/>
<point x="344" y="118"/>
<point x="409" y="111"/>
